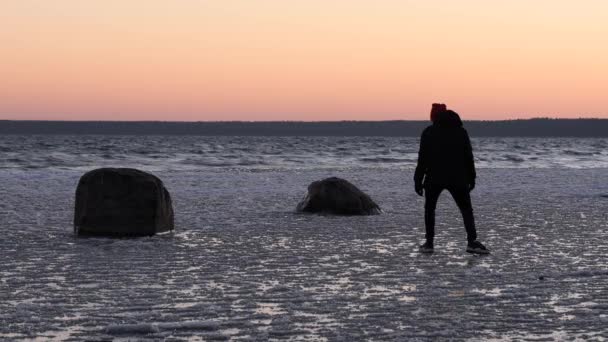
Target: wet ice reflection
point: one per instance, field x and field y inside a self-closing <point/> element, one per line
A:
<point x="235" y="270"/>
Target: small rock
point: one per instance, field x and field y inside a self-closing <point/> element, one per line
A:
<point x="337" y="196"/>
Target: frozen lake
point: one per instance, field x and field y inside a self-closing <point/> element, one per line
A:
<point x="241" y="265"/>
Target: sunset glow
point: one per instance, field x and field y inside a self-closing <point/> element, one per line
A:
<point x="198" y="60"/>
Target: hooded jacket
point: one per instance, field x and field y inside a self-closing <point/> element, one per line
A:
<point x="445" y="156"/>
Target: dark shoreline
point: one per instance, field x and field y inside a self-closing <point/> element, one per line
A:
<point x="507" y="128"/>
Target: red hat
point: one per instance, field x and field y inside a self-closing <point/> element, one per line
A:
<point x="437" y="109"/>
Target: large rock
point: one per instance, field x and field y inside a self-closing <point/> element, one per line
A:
<point x="122" y="202"/>
<point x="337" y="196"/>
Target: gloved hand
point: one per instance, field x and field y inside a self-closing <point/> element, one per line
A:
<point x="472" y="185"/>
<point x="418" y="188"/>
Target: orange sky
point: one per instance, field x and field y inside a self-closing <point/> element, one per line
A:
<point x="301" y="59"/>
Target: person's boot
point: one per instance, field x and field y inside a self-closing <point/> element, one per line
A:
<point x="476" y="247"/>
<point x="426" y="247"/>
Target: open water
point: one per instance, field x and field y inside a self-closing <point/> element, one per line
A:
<point x="266" y="153"/>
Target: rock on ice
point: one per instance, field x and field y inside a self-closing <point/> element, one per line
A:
<point x="122" y="202"/>
<point x="337" y="196"/>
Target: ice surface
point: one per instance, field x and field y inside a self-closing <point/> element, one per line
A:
<point x="242" y="265"/>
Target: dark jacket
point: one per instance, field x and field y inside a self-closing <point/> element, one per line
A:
<point x="445" y="156"/>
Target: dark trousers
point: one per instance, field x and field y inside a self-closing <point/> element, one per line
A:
<point x="461" y="195"/>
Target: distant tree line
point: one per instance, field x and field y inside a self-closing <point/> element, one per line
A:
<point x="517" y="128"/>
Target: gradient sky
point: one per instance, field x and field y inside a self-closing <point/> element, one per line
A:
<point x="301" y="59"/>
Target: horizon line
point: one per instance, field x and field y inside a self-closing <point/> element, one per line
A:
<point x="302" y="121"/>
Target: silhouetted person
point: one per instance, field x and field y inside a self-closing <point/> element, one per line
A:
<point x="445" y="162"/>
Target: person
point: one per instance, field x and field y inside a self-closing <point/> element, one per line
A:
<point x="445" y="162"/>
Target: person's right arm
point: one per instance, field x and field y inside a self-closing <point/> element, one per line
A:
<point x="469" y="161"/>
<point x="422" y="166"/>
